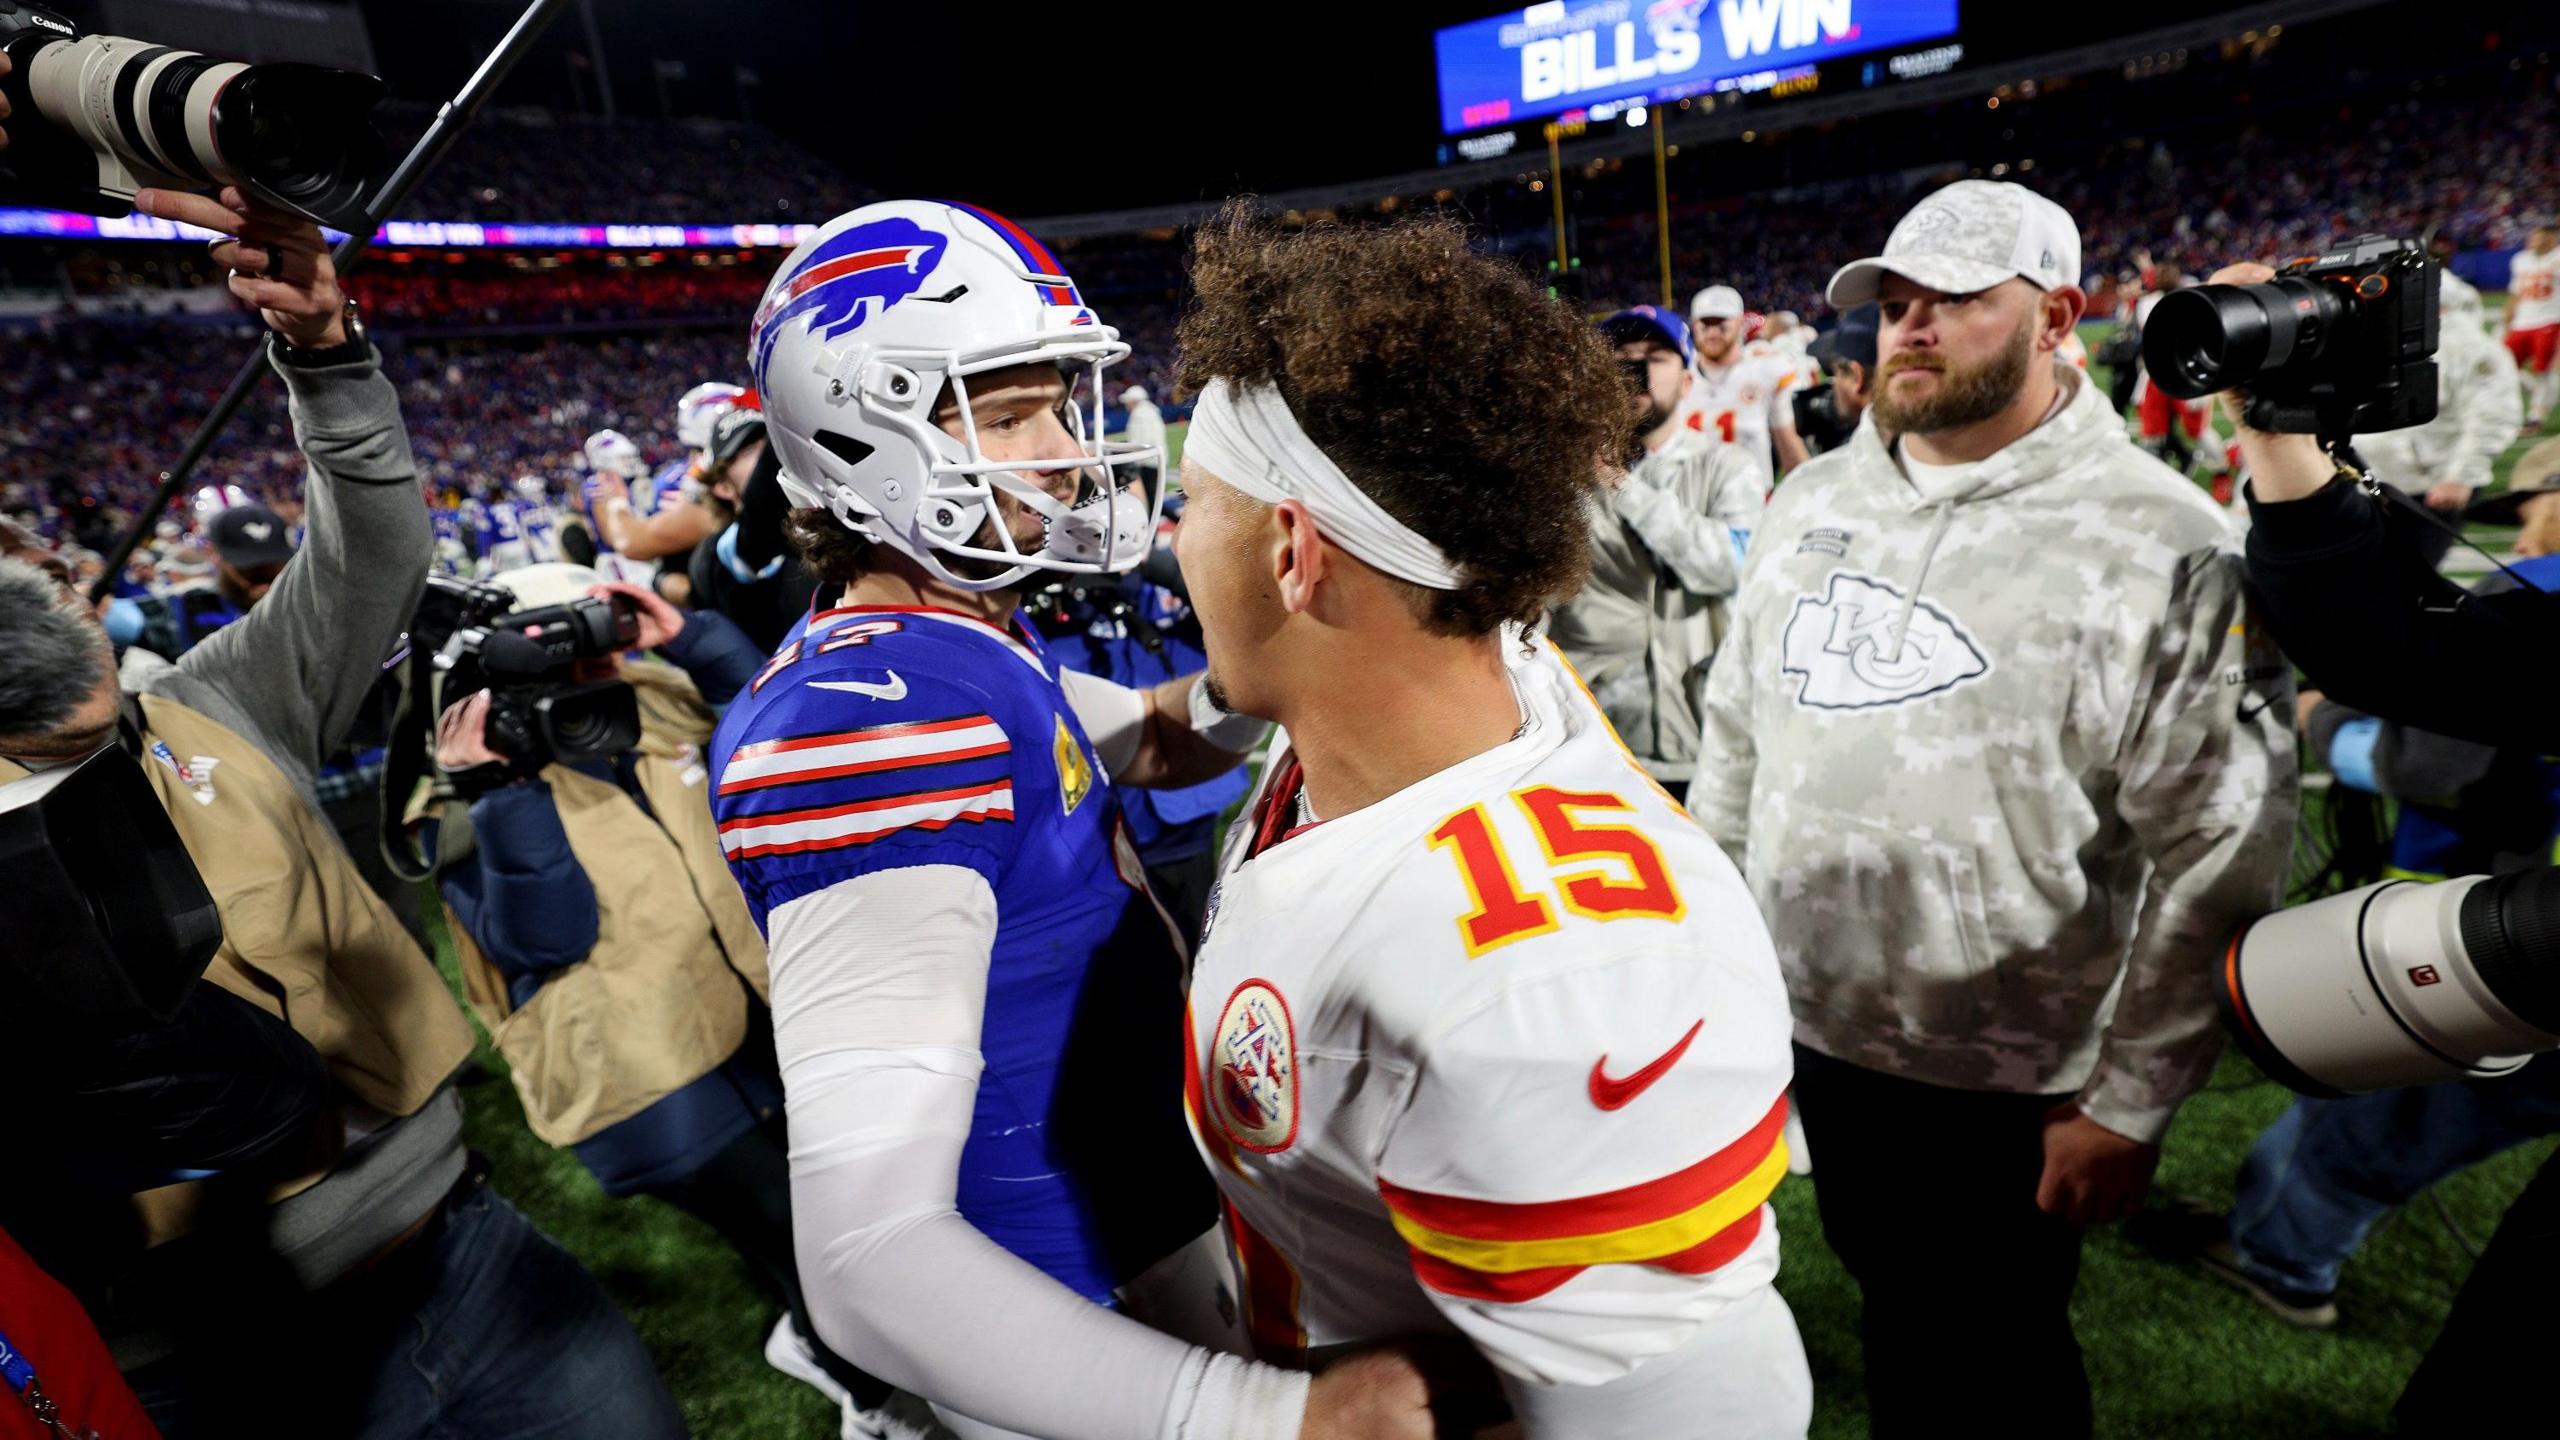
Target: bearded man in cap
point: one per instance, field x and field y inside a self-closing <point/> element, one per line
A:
<point x="2006" y="761"/>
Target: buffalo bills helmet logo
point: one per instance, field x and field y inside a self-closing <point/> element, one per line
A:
<point x="883" y="262"/>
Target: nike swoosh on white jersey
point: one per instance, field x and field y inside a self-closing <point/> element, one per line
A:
<point x="895" y="689"/>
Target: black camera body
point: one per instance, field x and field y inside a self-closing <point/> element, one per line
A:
<point x="95" y="118"/>
<point x="2340" y="343"/>
<point x="539" y="711"/>
<point x="1819" y="422"/>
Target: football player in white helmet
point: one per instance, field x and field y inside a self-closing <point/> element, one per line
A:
<point x="920" y="810"/>
<point x="610" y="452"/>
<point x="701" y="408"/>
<point x="614" y="466"/>
<point x="702" y="510"/>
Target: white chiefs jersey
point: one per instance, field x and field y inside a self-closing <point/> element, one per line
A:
<point x="1505" y="1053"/>
<point x="1743" y="401"/>
<point x="2534" y="281"/>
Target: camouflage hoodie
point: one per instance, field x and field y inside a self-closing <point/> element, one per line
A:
<point x="1666" y="553"/>
<point x="2005" y="768"/>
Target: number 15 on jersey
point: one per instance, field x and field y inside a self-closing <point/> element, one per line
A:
<point x="1624" y="875"/>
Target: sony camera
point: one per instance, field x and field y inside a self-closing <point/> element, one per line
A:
<point x="95" y="118"/>
<point x="539" y="711"/>
<point x="2341" y="343"/>
<point x="2400" y="983"/>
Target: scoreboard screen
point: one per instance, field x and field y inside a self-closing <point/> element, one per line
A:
<point x="1571" y="54"/>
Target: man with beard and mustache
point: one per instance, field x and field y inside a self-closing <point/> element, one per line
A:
<point x="1666" y="553"/>
<point x="2004" y="756"/>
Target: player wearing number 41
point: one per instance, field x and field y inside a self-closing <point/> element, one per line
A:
<point x="2007" y="763"/>
<point x="1485" y="1036"/>
<point x="974" y="995"/>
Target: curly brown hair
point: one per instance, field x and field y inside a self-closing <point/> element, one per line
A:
<point x="1474" y="409"/>
<point x="836" y="555"/>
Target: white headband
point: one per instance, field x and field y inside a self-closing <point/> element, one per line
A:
<point x="1249" y="439"/>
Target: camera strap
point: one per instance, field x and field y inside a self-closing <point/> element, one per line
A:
<point x="20" y="1373"/>
<point x="2352" y="465"/>
<point x="408" y="761"/>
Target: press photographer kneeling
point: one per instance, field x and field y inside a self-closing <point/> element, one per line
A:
<point x="2397" y="983"/>
<point x="602" y="939"/>
<point x="381" y="1289"/>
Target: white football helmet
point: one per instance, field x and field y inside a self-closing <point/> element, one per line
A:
<point x="532" y="489"/>
<point x="700" y="409"/>
<point x="858" y="336"/>
<point x="610" y="452"/>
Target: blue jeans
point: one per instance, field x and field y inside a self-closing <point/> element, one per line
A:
<point x="490" y="1331"/>
<point x="2320" y="1176"/>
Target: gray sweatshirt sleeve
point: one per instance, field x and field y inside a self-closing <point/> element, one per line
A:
<point x="1697" y="525"/>
<point x="2208" y="786"/>
<point x="1720" y="790"/>
<point x="299" y="665"/>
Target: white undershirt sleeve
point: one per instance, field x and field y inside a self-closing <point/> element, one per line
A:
<point x="879" y="986"/>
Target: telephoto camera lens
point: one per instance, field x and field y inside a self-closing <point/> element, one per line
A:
<point x="2400" y="983"/>
<point x="2212" y="338"/>
<point x="118" y="115"/>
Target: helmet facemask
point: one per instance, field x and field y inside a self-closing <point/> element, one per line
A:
<point x="1106" y="527"/>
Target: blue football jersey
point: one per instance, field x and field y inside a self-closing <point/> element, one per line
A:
<point x="884" y="738"/>
<point x="663" y="488"/>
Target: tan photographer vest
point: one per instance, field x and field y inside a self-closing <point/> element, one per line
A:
<point x="657" y="1004"/>
<point x="303" y="936"/>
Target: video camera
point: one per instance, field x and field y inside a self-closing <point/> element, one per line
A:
<point x="96" y="118"/>
<point x="527" y="659"/>
<point x="2341" y="343"/>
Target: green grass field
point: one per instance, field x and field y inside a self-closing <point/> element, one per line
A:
<point x="2170" y="1353"/>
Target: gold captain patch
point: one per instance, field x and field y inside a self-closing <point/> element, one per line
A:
<point x="1075" y="773"/>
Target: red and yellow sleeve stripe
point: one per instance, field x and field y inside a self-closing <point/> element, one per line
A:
<point x="1692" y="1221"/>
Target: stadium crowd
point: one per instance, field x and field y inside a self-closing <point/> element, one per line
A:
<point x="532" y="165"/>
<point x="832" y="824"/>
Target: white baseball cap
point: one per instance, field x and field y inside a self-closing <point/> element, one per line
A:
<point x="1133" y="393"/>
<point x="1715" y="300"/>
<point x="1970" y="236"/>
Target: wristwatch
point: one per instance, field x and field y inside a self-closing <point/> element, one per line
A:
<point x="355" y="347"/>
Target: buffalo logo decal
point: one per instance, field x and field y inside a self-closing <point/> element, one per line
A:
<point x="881" y="263"/>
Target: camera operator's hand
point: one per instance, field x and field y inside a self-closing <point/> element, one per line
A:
<point x="462" y="735"/>
<point x="2092" y="1175"/>
<point x="2281" y="467"/>
<point x="278" y="262"/>
<point x="660" y="622"/>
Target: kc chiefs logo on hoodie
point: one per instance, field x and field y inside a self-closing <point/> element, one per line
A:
<point x="1851" y="650"/>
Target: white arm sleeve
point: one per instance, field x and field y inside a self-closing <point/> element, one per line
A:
<point x="879" y="985"/>
<point x="1114" y="716"/>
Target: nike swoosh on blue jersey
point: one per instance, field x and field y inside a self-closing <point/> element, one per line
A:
<point x="894" y="689"/>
